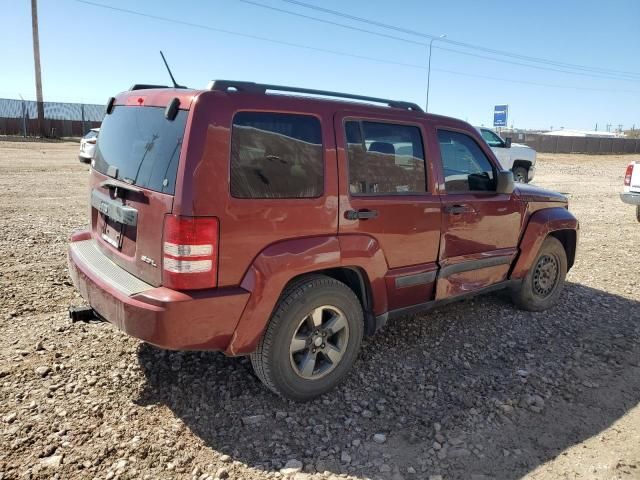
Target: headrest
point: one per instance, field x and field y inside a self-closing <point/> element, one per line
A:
<point x="382" y="147"/>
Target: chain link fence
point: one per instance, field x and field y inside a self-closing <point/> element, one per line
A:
<point x="20" y="117"/>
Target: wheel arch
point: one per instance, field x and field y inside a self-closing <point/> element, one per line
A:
<point x="556" y="221"/>
<point x="522" y="163"/>
<point x="358" y="281"/>
<point x="568" y="238"/>
<point x="358" y="262"/>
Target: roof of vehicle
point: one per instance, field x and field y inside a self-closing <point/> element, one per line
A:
<point x="158" y="95"/>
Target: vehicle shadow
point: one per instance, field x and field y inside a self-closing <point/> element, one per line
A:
<point x="508" y="390"/>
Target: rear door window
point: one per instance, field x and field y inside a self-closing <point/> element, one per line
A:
<point x="466" y="167"/>
<point x="138" y="145"/>
<point x="385" y="159"/>
<point x="276" y="155"/>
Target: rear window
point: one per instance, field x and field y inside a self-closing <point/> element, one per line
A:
<point x="90" y="134"/>
<point x="276" y="155"/>
<point x="142" y="145"/>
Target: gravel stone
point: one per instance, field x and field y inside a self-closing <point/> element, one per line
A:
<point x="253" y="419"/>
<point x="291" y="467"/>
<point x="43" y="370"/>
<point x="110" y="406"/>
<point x="379" y="438"/>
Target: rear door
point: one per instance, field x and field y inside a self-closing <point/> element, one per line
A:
<point x="132" y="185"/>
<point x="387" y="193"/>
<point x="480" y="228"/>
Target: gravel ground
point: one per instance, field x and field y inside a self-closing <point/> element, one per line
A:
<point x="472" y="390"/>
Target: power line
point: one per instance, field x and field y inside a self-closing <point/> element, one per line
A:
<point x="424" y="44"/>
<point x="245" y="35"/>
<point x="636" y="75"/>
<point x="329" y="22"/>
<point x="538" y="67"/>
<point x="323" y="50"/>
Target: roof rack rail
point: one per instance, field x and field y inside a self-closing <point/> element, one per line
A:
<point x="261" y="88"/>
<point x="145" y="86"/>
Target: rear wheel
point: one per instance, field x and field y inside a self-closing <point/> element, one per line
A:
<point x="312" y="339"/>
<point x="520" y="174"/>
<point x="543" y="284"/>
<point x="638" y="212"/>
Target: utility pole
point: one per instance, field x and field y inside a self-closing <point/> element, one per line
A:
<point x="429" y="68"/>
<point x="36" y="60"/>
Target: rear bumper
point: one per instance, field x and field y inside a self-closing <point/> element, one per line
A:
<point x="630" y="198"/>
<point x="84" y="159"/>
<point x="196" y="320"/>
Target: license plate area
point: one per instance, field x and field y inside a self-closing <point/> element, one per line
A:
<point x="112" y="232"/>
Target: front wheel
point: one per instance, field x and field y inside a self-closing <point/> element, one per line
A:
<point x="312" y="339"/>
<point x="520" y="174"/>
<point x="543" y="284"/>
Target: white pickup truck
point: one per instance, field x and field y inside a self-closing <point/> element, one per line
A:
<point x="631" y="190"/>
<point x="518" y="158"/>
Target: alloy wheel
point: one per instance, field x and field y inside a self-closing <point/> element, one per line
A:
<point x="319" y="342"/>
<point x="545" y="275"/>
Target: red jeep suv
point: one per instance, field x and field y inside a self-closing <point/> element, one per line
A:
<point x="286" y="227"/>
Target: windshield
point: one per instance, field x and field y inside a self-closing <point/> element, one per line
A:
<point x="491" y="138"/>
<point x="141" y="146"/>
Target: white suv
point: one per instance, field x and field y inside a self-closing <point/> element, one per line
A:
<point x="88" y="145"/>
<point x="631" y="190"/>
<point x="518" y="158"/>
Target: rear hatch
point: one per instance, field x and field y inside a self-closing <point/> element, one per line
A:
<point x="133" y="182"/>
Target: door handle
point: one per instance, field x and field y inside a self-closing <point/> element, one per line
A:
<point x="458" y="209"/>
<point x="360" y="214"/>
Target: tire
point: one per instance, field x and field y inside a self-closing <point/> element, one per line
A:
<point x="638" y="212"/>
<point x="520" y="174"/>
<point x="543" y="284"/>
<point x="331" y="339"/>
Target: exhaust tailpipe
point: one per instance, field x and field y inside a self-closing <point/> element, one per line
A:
<point x="83" y="314"/>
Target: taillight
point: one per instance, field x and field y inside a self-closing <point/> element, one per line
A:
<point x="627" y="175"/>
<point x="190" y="252"/>
<point x="92" y="141"/>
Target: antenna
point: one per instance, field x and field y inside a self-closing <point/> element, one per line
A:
<point x="175" y="85"/>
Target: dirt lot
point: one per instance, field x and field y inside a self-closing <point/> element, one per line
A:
<point x="473" y="390"/>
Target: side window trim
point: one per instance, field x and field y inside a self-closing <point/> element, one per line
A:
<point x="360" y="121"/>
<point x="494" y="167"/>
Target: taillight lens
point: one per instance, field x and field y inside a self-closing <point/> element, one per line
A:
<point x="190" y="252"/>
<point x="627" y="175"/>
<point x="93" y="141"/>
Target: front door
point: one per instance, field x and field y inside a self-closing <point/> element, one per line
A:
<point x="387" y="193"/>
<point x="480" y="228"/>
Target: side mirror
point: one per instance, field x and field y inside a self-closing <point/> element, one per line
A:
<point x="507" y="142"/>
<point x="505" y="183"/>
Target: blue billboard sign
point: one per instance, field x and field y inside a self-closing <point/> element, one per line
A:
<point x="500" y="113"/>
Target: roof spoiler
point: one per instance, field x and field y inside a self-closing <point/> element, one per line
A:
<point x="146" y="86"/>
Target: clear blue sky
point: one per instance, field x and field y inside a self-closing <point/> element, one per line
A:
<point x="89" y="53"/>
